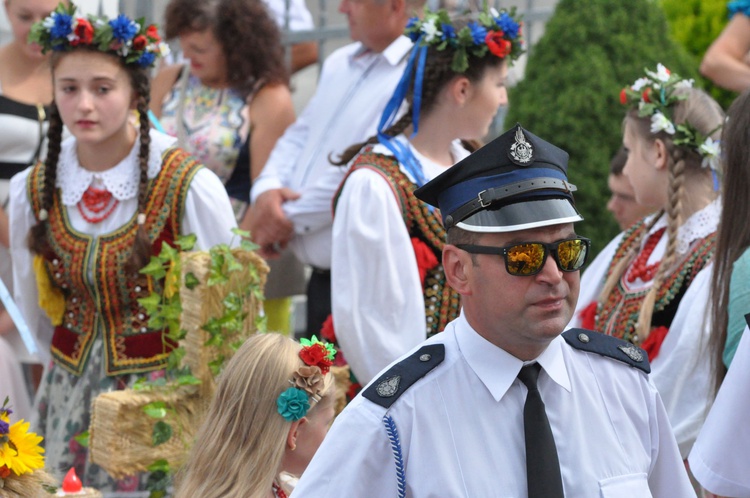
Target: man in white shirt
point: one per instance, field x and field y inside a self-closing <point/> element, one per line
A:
<point x="501" y="404"/>
<point x="292" y="196"/>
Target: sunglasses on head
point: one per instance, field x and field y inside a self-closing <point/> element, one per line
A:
<point x="527" y="258"/>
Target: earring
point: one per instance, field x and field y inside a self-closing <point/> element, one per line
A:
<point x="294" y="447"/>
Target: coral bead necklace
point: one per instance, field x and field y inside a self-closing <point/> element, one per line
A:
<point x="278" y="491"/>
<point x="97" y="201"/>
<point x="640" y="268"/>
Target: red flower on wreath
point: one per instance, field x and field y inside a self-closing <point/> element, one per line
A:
<point x="645" y="95"/>
<point x="498" y="45"/>
<point x="4" y="472"/>
<point x="153" y="33"/>
<point x="139" y="42"/>
<point x="84" y="32"/>
<point x="624" y="97"/>
<point x="317" y="356"/>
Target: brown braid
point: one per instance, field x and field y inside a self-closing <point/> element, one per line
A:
<point x="142" y="245"/>
<point x="674" y="211"/>
<point x="437" y="74"/>
<point x="38" y="241"/>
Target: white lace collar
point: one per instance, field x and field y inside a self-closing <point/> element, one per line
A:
<point x="121" y="180"/>
<point x="700" y="224"/>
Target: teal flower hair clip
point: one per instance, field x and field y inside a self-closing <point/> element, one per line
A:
<point x="308" y="381"/>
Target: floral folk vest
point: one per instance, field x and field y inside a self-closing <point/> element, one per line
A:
<point x="618" y="314"/>
<point x="442" y="303"/>
<point x="108" y="301"/>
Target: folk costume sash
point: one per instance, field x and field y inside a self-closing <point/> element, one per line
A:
<point x="426" y="230"/>
<point x="108" y="302"/>
<point x="618" y="314"/>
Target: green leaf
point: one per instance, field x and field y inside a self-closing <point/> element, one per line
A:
<point x="191" y="281"/>
<point x="162" y="433"/>
<point x="150" y="302"/>
<point x="157" y="409"/>
<point x="242" y="233"/>
<point x="248" y="245"/>
<point x="186" y="242"/>
<point x="155" y="268"/>
<point x="83" y="439"/>
<point x="160" y="465"/>
<point x="188" y="380"/>
<point x="168" y="253"/>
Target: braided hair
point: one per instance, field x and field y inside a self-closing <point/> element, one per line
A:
<point x="437" y="74"/>
<point x="684" y="165"/>
<point x="38" y="240"/>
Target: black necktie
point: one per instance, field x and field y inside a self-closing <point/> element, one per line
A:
<point x="542" y="466"/>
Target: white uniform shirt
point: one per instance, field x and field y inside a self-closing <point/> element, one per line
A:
<point x="461" y="430"/>
<point x="355" y="84"/>
<point x="300" y="17"/>
<point x="720" y="459"/>
<point x="378" y="306"/>
<point x="681" y="371"/>
<point x="208" y="214"/>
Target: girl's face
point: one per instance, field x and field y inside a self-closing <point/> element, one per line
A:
<point x="94" y="96"/>
<point x="207" y="60"/>
<point x="310" y="435"/>
<point x="487" y="95"/>
<point x="650" y="182"/>
<point x="21" y="15"/>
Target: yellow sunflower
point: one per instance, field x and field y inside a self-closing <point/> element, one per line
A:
<point x="22" y="453"/>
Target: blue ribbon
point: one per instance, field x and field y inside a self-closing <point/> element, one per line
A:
<point x="402" y="152"/>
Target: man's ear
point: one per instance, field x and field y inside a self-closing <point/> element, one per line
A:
<point x="457" y="265"/>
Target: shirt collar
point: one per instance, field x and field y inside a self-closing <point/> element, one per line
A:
<point x="393" y="53"/>
<point x="497" y="369"/>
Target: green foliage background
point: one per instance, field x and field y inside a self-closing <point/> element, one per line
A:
<point x="589" y="51"/>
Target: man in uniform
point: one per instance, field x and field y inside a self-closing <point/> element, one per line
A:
<point x="501" y="404"/>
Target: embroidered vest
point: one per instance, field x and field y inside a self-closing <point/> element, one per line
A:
<point x="441" y="302"/>
<point x="108" y="302"/>
<point x="618" y="314"/>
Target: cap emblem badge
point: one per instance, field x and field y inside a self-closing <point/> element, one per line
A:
<point x="521" y="151"/>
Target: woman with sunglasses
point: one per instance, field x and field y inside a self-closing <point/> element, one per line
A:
<point x="389" y="290"/>
<point x="651" y="284"/>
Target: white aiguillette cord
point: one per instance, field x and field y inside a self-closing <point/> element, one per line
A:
<point x="15" y="315"/>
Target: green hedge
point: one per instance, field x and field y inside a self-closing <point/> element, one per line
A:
<point x="570" y="95"/>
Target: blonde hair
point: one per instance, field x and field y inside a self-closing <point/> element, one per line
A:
<point x="239" y="447"/>
<point x="684" y="165"/>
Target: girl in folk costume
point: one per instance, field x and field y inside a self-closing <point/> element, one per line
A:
<point x="271" y="411"/>
<point x="650" y="285"/>
<point x="84" y="222"/>
<point x="389" y="288"/>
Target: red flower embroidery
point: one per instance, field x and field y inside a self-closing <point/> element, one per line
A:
<point x="623" y="97"/>
<point x="426" y="259"/>
<point x="498" y="45"/>
<point x="84" y="33"/>
<point x="139" y="42"/>
<point x="316" y="355"/>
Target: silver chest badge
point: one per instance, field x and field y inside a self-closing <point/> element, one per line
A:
<point x="633" y="352"/>
<point x="521" y="151"/>
<point x="388" y="387"/>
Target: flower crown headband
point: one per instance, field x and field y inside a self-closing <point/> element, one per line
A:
<point x="495" y="33"/>
<point x="654" y="96"/>
<point x="132" y="41"/>
<point x="307" y="381"/>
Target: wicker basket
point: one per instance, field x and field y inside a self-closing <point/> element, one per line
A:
<point x="27" y="485"/>
<point x="120" y="431"/>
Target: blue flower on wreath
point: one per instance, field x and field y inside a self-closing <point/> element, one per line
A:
<point x="62" y="27"/>
<point x="478" y="33"/>
<point x="449" y="32"/>
<point x="123" y="29"/>
<point x="146" y="59"/>
<point x="508" y="25"/>
<point x="4" y="427"/>
<point x="412" y="33"/>
<point x="293" y="404"/>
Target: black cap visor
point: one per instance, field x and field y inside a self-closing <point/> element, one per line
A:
<point x="521" y="216"/>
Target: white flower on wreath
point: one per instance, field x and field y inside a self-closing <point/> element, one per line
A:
<point x="660" y="122"/>
<point x="72" y="36"/>
<point x="639" y="84"/>
<point x="684" y="83"/>
<point x="661" y="74"/>
<point x="430" y="30"/>
<point x="710" y="150"/>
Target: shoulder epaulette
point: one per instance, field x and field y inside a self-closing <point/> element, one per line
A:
<point x="606" y="345"/>
<point x="401" y="376"/>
